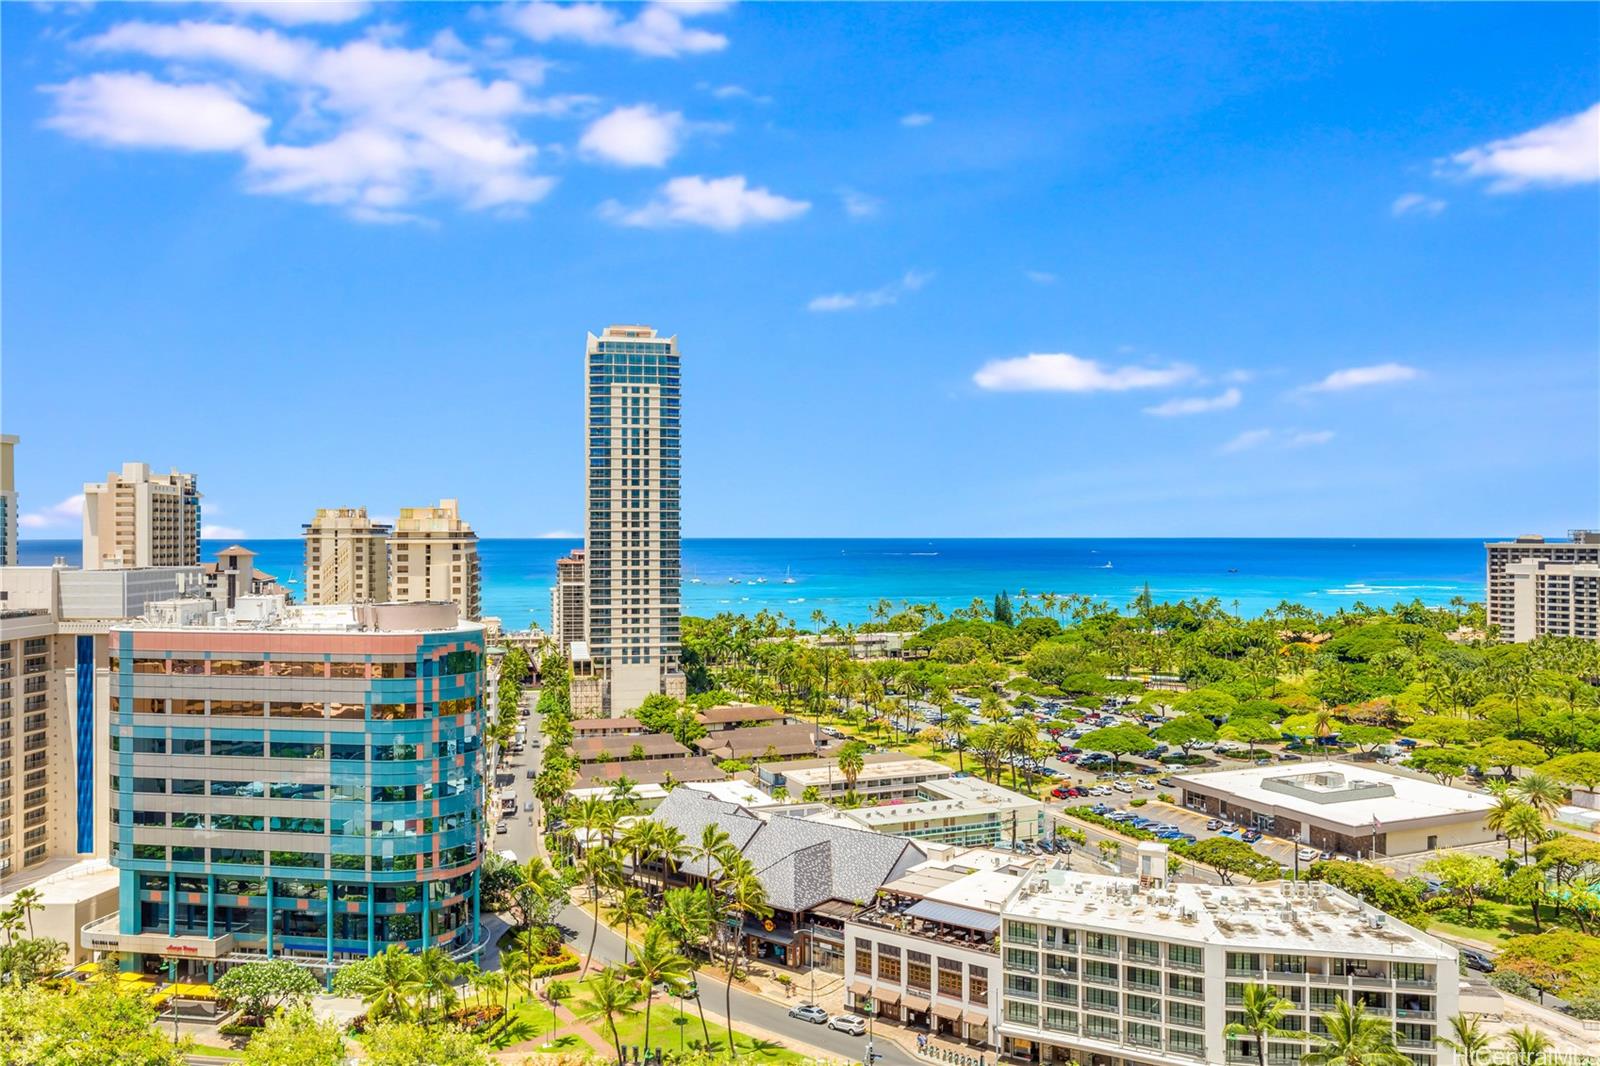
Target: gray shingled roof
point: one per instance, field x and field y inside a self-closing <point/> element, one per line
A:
<point x="800" y="863"/>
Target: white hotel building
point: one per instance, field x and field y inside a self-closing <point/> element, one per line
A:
<point x="1114" y="971"/>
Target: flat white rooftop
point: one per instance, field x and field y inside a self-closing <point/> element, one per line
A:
<point x="1345" y="794"/>
<point x="1301" y="917"/>
<point x="820" y="772"/>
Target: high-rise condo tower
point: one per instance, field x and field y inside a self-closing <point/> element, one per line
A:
<point x="631" y="524"/>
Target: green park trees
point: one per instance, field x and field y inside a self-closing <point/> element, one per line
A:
<point x="1117" y="741"/>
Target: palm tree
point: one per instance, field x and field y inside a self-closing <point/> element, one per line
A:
<point x="669" y="849"/>
<point x="25" y="901"/>
<point x="1355" y="1038"/>
<point x="1525" y="824"/>
<point x="1527" y="1043"/>
<point x="749" y="897"/>
<point x="488" y="984"/>
<point x="436" y="976"/>
<point x="519" y="966"/>
<point x="611" y="995"/>
<point x="631" y="909"/>
<point x="1506" y="804"/>
<point x="1467" y="1038"/>
<point x="536" y="883"/>
<point x="957" y="720"/>
<point x="658" y="961"/>
<point x="390" y="987"/>
<point x="851" y="762"/>
<point x="1263" y="1011"/>
<point x="601" y="869"/>
<point x="686" y="915"/>
<point x="1541" y="792"/>
<point x="554" y="993"/>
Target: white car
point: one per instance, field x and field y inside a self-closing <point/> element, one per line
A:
<point x="809" y="1012"/>
<point x="1148" y="786"/>
<point x="1309" y="854"/>
<point x="848" y="1023"/>
<point x="1123" y="786"/>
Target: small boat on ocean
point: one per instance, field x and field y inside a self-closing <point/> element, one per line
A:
<point x="1106" y="567"/>
<point x="788" y="578"/>
<point x="760" y="581"/>
<point x="733" y="581"/>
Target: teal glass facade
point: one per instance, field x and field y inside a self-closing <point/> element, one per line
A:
<point x="285" y="792"/>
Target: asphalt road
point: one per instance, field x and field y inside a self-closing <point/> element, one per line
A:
<point x="747" y="1008"/>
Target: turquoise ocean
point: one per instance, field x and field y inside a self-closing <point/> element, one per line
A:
<point x="843" y="578"/>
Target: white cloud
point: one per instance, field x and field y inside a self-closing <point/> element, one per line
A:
<point x="1069" y="373"/>
<point x="879" y="297"/>
<point x="300" y="12"/>
<point x="215" y="532"/>
<point x="734" y="92"/>
<point x="559" y="534"/>
<point x="1563" y="152"/>
<point x="1040" y="277"/>
<point x="1361" y="376"/>
<point x="69" y="512"/>
<point x="1310" y="437"/>
<point x="1250" y="438"/>
<point x="725" y="204"/>
<point x="1196" y="405"/>
<point x="634" y="137"/>
<point x="858" y="204"/>
<point x="376" y="129"/>
<point x="135" y="110"/>
<point x="657" y="30"/>
<point x="1415" y="203"/>
<point x="915" y="119"/>
<point x="1239" y="377"/>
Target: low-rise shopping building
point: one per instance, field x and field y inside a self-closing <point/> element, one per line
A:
<point x="761" y="742"/>
<point x="1348" y="808"/>
<point x="883" y="776"/>
<point x="957" y="810"/>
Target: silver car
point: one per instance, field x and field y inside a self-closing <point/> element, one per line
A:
<point x="853" y="1024"/>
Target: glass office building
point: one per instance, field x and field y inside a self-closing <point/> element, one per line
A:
<point x="298" y="782"/>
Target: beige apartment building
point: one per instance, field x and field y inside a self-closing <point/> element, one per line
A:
<point x="29" y="651"/>
<point x="434" y="557"/>
<point x="631" y="513"/>
<point x="138" y="518"/>
<point x="8" y="500"/>
<point x="347" y="557"/>
<point x="567" y="614"/>
<point x="1538" y="588"/>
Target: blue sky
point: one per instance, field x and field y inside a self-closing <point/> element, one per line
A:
<point x="943" y="269"/>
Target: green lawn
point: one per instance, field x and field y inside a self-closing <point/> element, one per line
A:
<point x="1492" y="923"/>
<point x="530" y="1020"/>
<point x="667" y="1027"/>
<point x="217" y="1052"/>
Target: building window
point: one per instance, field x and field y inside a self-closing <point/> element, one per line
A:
<point x="1022" y="932"/>
<point x="950" y="978"/>
<point x="888" y="963"/>
<point x="1022" y="1013"/>
<point x="1102" y="999"/>
<point x="1022" y="960"/>
<point x="977" y="984"/>
<point x="1187" y="956"/>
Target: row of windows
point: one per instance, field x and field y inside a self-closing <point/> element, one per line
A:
<point x="452" y="663"/>
<point x="352" y="827"/>
<point x="291" y="888"/>
<point x="291" y="860"/>
<point x="377" y="712"/>
<point x="303" y="790"/>
<point x="396" y="751"/>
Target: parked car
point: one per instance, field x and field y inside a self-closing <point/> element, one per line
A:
<point x="532" y="774"/>
<point x="1147" y="785"/>
<point x="1308" y="854"/>
<point x="848" y="1023"/>
<point x="1288" y="756"/>
<point x="1044" y="845"/>
<point x="1477" y="960"/>
<point x="501" y="828"/>
<point x="1250" y="836"/>
<point x="1123" y="786"/>
<point x="809" y="1012"/>
<point x="1166" y="782"/>
<point x="528" y="807"/>
<point x="1213" y="824"/>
